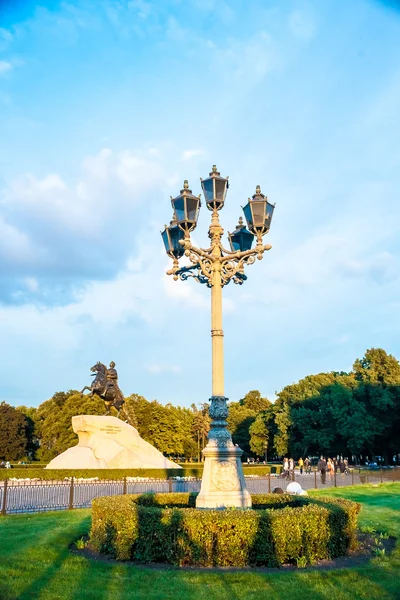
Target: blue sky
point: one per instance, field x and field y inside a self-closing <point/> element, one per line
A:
<point x="106" y="106"/>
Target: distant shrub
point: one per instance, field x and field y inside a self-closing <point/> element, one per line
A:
<point x="166" y="528"/>
<point x="20" y="471"/>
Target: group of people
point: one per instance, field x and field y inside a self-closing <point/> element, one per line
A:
<point x="332" y="466"/>
<point x="325" y="466"/>
<point x="289" y="466"/>
<point x="5" y="464"/>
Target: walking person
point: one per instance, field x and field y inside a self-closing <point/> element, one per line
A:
<point x="307" y="465"/>
<point x="291" y="469"/>
<point x="342" y="467"/>
<point x="301" y="464"/>
<point x="285" y="467"/>
<point x="322" y="469"/>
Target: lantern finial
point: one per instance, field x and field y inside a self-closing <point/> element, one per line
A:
<point x="186" y="185"/>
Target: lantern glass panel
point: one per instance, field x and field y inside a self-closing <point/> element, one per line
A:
<point x="270" y="212"/>
<point x="179" y="206"/>
<point x="166" y="240"/>
<point x="220" y="186"/>
<point x="191" y="208"/>
<point x="258" y="213"/>
<point x="208" y="188"/>
<point x="176" y="234"/>
<point x="248" y="215"/>
<point x="246" y="240"/>
<point x="234" y="241"/>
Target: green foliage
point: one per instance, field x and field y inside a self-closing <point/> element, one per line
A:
<point x="13" y="433"/>
<point x="339" y="413"/>
<point x="259" y="435"/>
<point x="54" y="421"/>
<point x="144" y="529"/>
<point x="377" y="367"/>
<point x="21" y="472"/>
<point x="169" y="428"/>
<point x="240" y="419"/>
<point x="355" y="413"/>
<point x="255" y="402"/>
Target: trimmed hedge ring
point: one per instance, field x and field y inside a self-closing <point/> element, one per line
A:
<point x="279" y="529"/>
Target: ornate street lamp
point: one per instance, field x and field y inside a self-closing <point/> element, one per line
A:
<point x="223" y="482"/>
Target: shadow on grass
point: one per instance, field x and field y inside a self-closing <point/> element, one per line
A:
<point x="148" y="531"/>
<point x="38" y="560"/>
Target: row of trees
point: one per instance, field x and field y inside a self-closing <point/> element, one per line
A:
<point x="356" y="413"/>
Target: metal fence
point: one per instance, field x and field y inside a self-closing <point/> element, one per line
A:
<point x="22" y="496"/>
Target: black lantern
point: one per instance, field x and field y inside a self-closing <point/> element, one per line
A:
<point x="241" y="239"/>
<point x="171" y="236"/>
<point x="258" y="212"/>
<point x="214" y="189"/>
<point x="186" y="208"/>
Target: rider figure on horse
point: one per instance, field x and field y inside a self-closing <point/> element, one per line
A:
<point x="105" y="385"/>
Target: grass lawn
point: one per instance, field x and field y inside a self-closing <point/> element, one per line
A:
<point x="35" y="563"/>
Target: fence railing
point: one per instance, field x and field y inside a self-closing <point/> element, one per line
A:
<point x="21" y="496"/>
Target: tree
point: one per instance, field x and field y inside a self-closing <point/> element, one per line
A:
<point x="289" y="439"/>
<point x="259" y="435"/>
<point x="377" y="367"/>
<point x="13" y="438"/>
<point x="32" y="440"/>
<point x="168" y="428"/>
<point x="254" y="401"/>
<point x="54" y="421"/>
<point x="240" y="418"/>
<point x="200" y="427"/>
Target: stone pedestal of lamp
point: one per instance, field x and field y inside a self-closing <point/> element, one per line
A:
<point x="223" y="484"/>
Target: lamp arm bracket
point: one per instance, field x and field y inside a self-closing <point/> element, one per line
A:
<point x="258" y="250"/>
<point x="196" y="253"/>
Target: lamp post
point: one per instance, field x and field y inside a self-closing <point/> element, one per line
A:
<point x="223" y="482"/>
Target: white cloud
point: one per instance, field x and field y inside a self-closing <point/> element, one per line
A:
<point x="62" y="223"/>
<point x="6" y="35"/>
<point x="302" y="25"/>
<point x="31" y="284"/>
<point x="5" y="66"/>
<point x="189" y="154"/>
<point x="15" y="246"/>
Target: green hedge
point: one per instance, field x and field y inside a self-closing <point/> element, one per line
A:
<point x="41" y="473"/>
<point x="166" y="528"/>
<point x="29" y="466"/>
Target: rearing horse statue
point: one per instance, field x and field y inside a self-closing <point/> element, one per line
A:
<point x="105" y="385"/>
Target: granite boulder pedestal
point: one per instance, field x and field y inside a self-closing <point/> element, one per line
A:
<point x="109" y="443"/>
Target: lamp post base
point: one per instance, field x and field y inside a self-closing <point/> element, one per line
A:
<point x="223" y="483"/>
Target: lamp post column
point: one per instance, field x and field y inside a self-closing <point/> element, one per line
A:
<point x="217" y="334"/>
<point x="223" y="481"/>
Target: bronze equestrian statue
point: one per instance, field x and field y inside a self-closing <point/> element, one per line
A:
<point x="105" y="385"/>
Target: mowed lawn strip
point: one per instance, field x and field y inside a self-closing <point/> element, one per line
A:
<point x="35" y="562"/>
